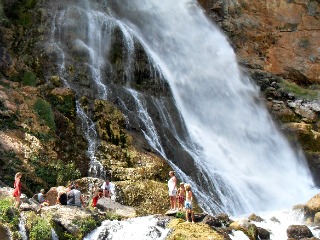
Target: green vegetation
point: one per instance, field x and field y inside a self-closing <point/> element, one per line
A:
<point x="309" y="93"/>
<point x="29" y="79"/>
<point x="67" y="172"/>
<point x="40" y="230"/>
<point x="112" y="216"/>
<point x="65" y="104"/>
<point x="44" y="110"/>
<point x="10" y="164"/>
<point x="86" y="225"/>
<point x="181" y="215"/>
<point x="20" y="12"/>
<point x="2" y="15"/>
<point x="9" y="214"/>
<point x="53" y="172"/>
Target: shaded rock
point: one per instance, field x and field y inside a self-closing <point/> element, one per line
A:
<point x="274" y="219"/>
<point x="4" y="232"/>
<point x="220" y="220"/>
<point x="255" y="218"/>
<point x="263" y="234"/>
<point x="106" y="204"/>
<point x="299" y="232"/>
<point x="317" y="218"/>
<point x="297" y="76"/>
<point x="67" y="216"/>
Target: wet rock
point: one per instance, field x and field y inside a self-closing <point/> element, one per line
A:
<point x="299" y="232"/>
<point x="255" y="218"/>
<point x="274" y="219"/>
<point x="317" y="218"/>
<point x="263" y="234"/>
<point x="220" y="220"/>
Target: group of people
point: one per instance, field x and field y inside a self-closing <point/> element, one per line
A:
<point x="70" y="196"/>
<point x="180" y="198"/>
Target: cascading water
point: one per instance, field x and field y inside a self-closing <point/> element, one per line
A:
<point x="240" y="162"/>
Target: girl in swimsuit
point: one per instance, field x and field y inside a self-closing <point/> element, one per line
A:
<point x="188" y="203"/>
<point x="17" y="189"/>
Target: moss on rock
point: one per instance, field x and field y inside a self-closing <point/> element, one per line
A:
<point x="185" y="230"/>
<point x="147" y="196"/>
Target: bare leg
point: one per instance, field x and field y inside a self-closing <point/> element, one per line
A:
<point x="171" y="202"/>
<point x="17" y="203"/>
<point x="187" y="215"/>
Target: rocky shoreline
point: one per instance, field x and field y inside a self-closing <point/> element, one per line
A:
<point x="70" y="222"/>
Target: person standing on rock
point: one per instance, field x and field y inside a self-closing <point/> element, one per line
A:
<point x="188" y="203"/>
<point x="181" y="196"/>
<point x="172" y="185"/>
<point x="17" y="189"/>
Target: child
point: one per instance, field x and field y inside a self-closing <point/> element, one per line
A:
<point x="188" y="203"/>
<point x="96" y="197"/>
<point x="181" y="196"/>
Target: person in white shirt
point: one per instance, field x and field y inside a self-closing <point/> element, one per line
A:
<point x="172" y="185"/>
<point x="108" y="188"/>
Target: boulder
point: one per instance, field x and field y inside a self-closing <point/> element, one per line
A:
<point x="107" y="204"/>
<point x="299" y="232"/>
<point x="185" y="230"/>
<point x="255" y="218"/>
<point x="314" y="204"/>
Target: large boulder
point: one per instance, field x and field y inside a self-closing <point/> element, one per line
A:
<point x="185" y="230"/>
<point x="299" y="232"/>
<point x="314" y="204"/>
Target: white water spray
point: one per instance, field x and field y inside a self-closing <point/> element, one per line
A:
<point x="142" y="228"/>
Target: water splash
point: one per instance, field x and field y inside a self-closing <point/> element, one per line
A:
<point x="144" y="228"/>
<point x="277" y="223"/>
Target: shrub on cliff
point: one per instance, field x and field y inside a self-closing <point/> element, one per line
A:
<point x="44" y="110"/>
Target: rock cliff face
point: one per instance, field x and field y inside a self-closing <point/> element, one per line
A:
<point x="282" y="37"/>
<point x="277" y="44"/>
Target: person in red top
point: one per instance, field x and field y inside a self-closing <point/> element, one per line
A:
<point x="96" y="197"/>
<point x="17" y="189"/>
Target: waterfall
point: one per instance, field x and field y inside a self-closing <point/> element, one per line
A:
<point x="208" y="124"/>
<point x="22" y="227"/>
